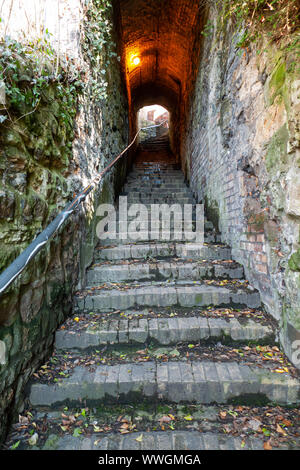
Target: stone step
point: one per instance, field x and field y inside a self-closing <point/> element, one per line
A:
<point x="151" y="175"/>
<point x="208" y="226"/>
<point x="123" y="297"/>
<point x="136" y="186"/>
<point x="170" y="201"/>
<point x="131" y="237"/>
<point x="163" y="271"/>
<point x="173" y="382"/>
<point x="158" y="193"/>
<point x="143" y="183"/>
<point x="168" y="176"/>
<point x="154" y="440"/>
<point x="154" y="193"/>
<point x="193" y="251"/>
<point x="164" y="331"/>
<point x="156" y="427"/>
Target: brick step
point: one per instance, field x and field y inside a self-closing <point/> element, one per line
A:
<point x="163" y="331"/>
<point x="193" y="251"/>
<point x="165" y="175"/>
<point x="160" y="199"/>
<point x="157" y="192"/>
<point x="155" y="440"/>
<point x="143" y="218"/>
<point x="173" y="382"/>
<point x="162" y="271"/>
<point x="136" y="186"/>
<point x="158" y="167"/>
<point x="156" y="178"/>
<point x="160" y="236"/>
<point x="162" y="295"/>
<point x="155" y="427"/>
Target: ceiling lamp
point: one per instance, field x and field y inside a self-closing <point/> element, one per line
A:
<point x="136" y="60"/>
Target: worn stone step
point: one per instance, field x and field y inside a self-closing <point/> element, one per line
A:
<point x="160" y="199"/>
<point x="140" y="171"/>
<point x="155" y="194"/>
<point x="126" y="238"/>
<point x="193" y="251"/>
<point x="174" y="382"/>
<point x="141" y="189"/>
<point x="168" y="217"/>
<point x="162" y="271"/>
<point x="160" y="235"/>
<point x="164" y="331"/>
<point x="156" y="179"/>
<point x="161" y="295"/>
<point x="154" y="440"/>
<point x="136" y="186"/>
<point x="146" y="223"/>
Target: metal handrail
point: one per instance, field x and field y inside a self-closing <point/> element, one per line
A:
<point x="20" y="263"/>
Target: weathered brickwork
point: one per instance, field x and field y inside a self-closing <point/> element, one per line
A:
<point x="164" y="36"/>
<point x="241" y="155"/>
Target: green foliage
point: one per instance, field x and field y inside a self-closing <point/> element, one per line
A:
<point x="252" y="18"/>
<point x="277" y="149"/>
<point x="294" y="261"/>
<point x="98" y="47"/>
<point x="27" y="71"/>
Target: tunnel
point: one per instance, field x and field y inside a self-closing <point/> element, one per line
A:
<point x="110" y="311"/>
<point x="159" y="44"/>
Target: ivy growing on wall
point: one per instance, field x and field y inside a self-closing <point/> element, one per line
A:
<point x="98" y="47"/>
<point x="278" y="19"/>
<point x="26" y="72"/>
<point x="28" y="69"/>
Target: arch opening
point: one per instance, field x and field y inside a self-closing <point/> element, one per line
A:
<point x="160" y="42"/>
<point x="153" y="115"/>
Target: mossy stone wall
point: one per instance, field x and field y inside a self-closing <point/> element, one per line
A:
<point x="47" y="157"/>
<point x="243" y="151"/>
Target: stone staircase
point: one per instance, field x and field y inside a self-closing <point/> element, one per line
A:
<point x="168" y="348"/>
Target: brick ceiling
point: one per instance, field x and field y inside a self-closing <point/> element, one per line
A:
<point x="162" y="33"/>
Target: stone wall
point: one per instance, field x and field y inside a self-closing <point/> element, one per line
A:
<point x="241" y="152"/>
<point x="46" y="158"/>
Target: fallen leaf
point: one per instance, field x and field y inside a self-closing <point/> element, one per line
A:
<point x="280" y="430"/>
<point x="255" y="424"/>
<point x="286" y="422"/>
<point x="165" y="419"/>
<point x="267" y="445"/>
<point x="33" y="439"/>
<point x="97" y="429"/>
<point x="188" y="418"/>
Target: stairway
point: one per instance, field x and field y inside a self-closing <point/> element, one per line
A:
<point x="156" y="144"/>
<point x="168" y="348"/>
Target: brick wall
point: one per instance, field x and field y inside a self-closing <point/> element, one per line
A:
<point x="240" y="150"/>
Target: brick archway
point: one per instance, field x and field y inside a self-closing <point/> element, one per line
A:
<point x="163" y="36"/>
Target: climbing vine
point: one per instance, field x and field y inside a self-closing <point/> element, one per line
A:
<point x="26" y="72"/>
<point x="98" y="46"/>
<point x="28" y="69"/>
<point x="277" y="19"/>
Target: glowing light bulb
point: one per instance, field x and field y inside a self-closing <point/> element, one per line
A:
<point x="136" y="60"/>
